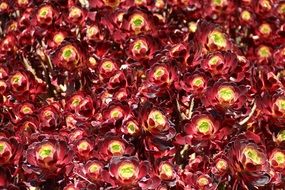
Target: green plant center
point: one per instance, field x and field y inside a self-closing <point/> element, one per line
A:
<point x="253" y="155"/>
<point x="280" y="102"/>
<point x="204" y="126"/>
<point x="245" y="15"/>
<point x="115" y="147"/>
<point x="2" y="147"/>
<point x="226" y="94"/>
<point x="94" y="168"/>
<point x="265" y="29"/>
<point x="126" y="171"/>
<point x="83" y="145"/>
<point x="279" y="157"/>
<point x="159" y="72"/>
<point x="218" y="39"/>
<point x="45" y="151"/>
<point x="264" y="52"/>
<point x="198" y="81"/>
<point x="167" y="170"/>
<point x="158" y="117"/>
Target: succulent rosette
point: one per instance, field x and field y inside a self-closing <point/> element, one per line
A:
<point x="271" y="106"/>
<point x="115" y="113"/>
<point x="82" y="105"/>
<point x="209" y="37"/>
<point x="27" y="127"/>
<point x="247" y="156"/>
<point x="225" y="95"/>
<point x="142" y="94"/>
<point x="84" y="148"/>
<point x="49" y="118"/>
<point x="107" y="69"/>
<point x="220" y="63"/>
<point x="161" y="78"/>
<point x="19" y="82"/>
<point x="199" y="180"/>
<point x="10" y="151"/>
<point x="156" y="122"/>
<point x="277" y="161"/>
<point x="69" y="56"/>
<point x="112" y="146"/>
<point x="195" y="83"/>
<point x="50" y="156"/>
<point x="138" y="20"/>
<point x="202" y="126"/>
<point x="46" y="14"/>
<point x="131" y="127"/>
<point x="141" y="47"/>
<point x="127" y="171"/>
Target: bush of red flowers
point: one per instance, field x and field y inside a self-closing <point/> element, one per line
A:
<point x="142" y="94"/>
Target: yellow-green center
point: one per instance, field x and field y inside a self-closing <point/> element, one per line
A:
<point x="204" y="125"/>
<point x="83" y="145"/>
<point x="159" y="72"/>
<point x="115" y="147"/>
<point x="108" y="65"/>
<point x="43" y="12"/>
<point x="217" y="2"/>
<point x="26" y="110"/>
<point x="94" y="168"/>
<point x="279" y="157"/>
<point x="265" y="29"/>
<point x="131" y="127"/>
<point x="253" y="155"/>
<point x="67" y="53"/>
<point x="167" y="170"/>
<point x="138" y="45"/>
<point x="214" y="60"/>
<point x="58" y="38"/>
<point x="218" y="38"/>
<point x="137" y="22"/>
<point x="75" y="102"/>
<point x="75" y="12"/>
<point x="45" y="151"/>
<point x="198" y="81"/>
<point x="281" y="9"/>
<point x="246" y="15"/>
<point x="221" y="165"/>
<point x="203" y="181"/>
<point x="116" y="113"/>
<point x="158" y="117"/>
<point x="226" y="94"/>
<point x="16" y="78"/>
<point x="281" y="136"/>
<point x="126" y="171"/>
<point x="264" y="52"/>
<point x="2" y="147"/>
<point x="280" y="102"/>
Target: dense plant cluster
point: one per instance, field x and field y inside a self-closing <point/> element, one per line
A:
<point x="142" y="94"/>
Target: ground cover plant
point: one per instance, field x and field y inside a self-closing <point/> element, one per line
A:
<point x="142" y="94"/>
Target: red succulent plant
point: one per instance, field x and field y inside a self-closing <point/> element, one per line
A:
<point x="142" y="94"/>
